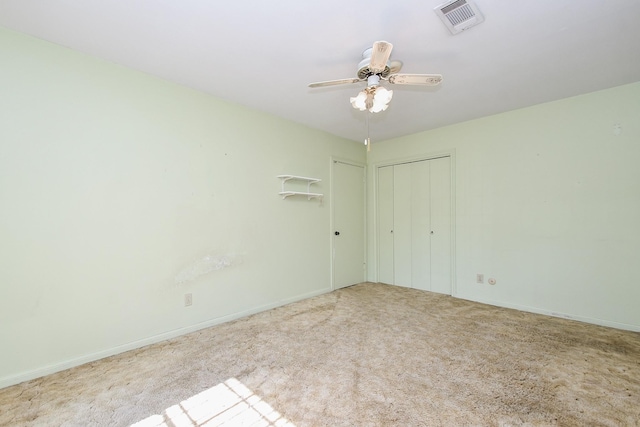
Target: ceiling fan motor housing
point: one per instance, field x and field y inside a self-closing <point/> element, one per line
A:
<point x="363" y="66"/>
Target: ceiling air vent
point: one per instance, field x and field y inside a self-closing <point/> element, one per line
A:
<point x="459" y="15"/>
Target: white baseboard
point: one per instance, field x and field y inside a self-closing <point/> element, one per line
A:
<point x="67" y="364"/>
<point x="592" y="320"/>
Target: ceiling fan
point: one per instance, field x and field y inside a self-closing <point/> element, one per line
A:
<point x="374" y="68"/>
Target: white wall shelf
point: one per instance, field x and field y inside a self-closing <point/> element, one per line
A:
<point x="308" y="194"/>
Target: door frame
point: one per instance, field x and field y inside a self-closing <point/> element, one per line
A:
<point x="411" y="159"/>
<point x="333" y="161"/>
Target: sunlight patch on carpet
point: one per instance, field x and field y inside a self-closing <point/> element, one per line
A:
<point x="229" y="403"/>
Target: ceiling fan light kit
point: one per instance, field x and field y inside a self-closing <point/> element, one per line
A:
<point x="374" y="97"/>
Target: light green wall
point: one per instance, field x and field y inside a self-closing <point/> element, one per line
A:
<point x="113" y="183"/>
<point x="547" y="202"/>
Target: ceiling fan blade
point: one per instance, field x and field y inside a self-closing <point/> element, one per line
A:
<point x="379" y="56"/>
<point x="415" y="79"/>
<point x="395" y="66"/>
<point x="334" y="82"/>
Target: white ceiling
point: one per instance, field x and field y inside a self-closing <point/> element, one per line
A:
<point x="262" y="54"/>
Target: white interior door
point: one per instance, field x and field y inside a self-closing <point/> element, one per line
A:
<point x="348" y="235"/>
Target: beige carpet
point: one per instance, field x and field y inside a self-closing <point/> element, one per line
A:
<point x="368" y="355"/>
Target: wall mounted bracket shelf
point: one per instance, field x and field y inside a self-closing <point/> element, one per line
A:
<point x="308" y="194"/>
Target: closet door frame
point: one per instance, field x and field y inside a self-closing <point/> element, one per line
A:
<point x="417" y="158"/>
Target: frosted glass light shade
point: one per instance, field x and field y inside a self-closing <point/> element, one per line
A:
<point x="359" y="102"/>
<point x="381" y="99"/>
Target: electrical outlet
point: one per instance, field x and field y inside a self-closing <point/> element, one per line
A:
<point x="479" y="278"/>
<point x="188" y="300"/>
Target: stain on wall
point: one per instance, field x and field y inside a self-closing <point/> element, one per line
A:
<point x="203" y="266"/>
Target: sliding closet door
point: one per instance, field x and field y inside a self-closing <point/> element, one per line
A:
<point x="414" y="225"/>
<point x="421" y="225"/>
<point x="402" y="227"/>
<point x="385" y="225"/>
<point x="441" y="225"/>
